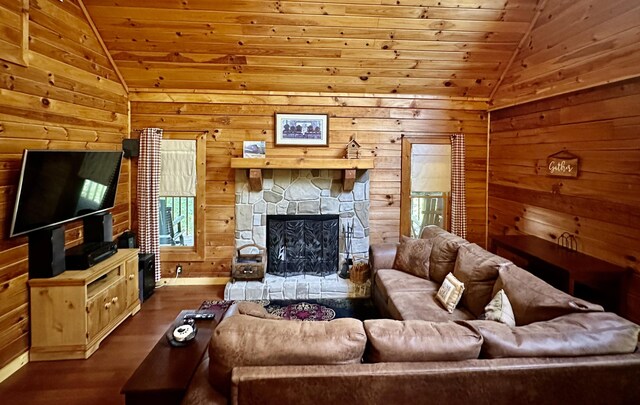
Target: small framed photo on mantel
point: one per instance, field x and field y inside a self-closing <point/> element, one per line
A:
<point x="254" y="149"/>
<point x="302" y="130"/>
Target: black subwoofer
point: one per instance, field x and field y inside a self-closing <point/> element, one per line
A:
<point x="146" y="275"/>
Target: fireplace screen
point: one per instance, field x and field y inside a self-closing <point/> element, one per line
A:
<point x="302" y="244"/>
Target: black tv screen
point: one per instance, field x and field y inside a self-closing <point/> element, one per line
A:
<point x="60" y="186"/>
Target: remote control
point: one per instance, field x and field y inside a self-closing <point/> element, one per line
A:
<point x="200" y="316"/>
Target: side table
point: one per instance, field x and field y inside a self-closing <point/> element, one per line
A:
<point x="164" y="375"/>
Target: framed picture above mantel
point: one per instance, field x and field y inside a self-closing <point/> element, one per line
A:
<point x="302" y="129"/>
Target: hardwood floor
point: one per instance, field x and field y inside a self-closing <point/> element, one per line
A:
<point x="98" y="379"/>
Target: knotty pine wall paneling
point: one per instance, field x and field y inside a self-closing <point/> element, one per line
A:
<point x="377" y="122"/>
<point x="574" y="45"/>
<point x="446" y="48"/>
<point x="68" y="97"/>
<point x="600" y="207"/>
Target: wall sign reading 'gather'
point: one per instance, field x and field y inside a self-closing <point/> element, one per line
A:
<point x="562" y="164"/>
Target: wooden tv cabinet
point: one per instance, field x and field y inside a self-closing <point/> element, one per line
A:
<point x="74" y="311"/>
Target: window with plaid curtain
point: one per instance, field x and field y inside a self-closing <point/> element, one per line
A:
<point x="148" y="193"/>
<point x="458" y="197"/>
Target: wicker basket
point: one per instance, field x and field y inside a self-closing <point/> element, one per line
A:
<point x="249" y="267"/>
<point x="359" y="273"/>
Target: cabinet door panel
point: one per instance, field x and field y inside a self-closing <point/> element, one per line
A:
<point x="132" y="281"/>
<point x="97" y="315"/>
<point x="116" y="300"/>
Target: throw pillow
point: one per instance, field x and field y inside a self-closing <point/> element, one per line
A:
<point x="413" y="257"/>
<point x="499" y="309"/>
<point x="450" y="292"/>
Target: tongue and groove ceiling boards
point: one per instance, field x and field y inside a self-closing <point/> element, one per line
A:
<point x="445" y="48"/>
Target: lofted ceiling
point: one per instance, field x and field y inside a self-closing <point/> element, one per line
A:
<point x="452" y="48"/>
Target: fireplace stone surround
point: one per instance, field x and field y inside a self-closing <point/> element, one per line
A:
<point x="306" y="192"/>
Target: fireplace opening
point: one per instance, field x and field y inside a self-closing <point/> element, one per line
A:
<point x="302" y="245"/>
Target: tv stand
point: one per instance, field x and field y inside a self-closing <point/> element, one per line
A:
<point x="73" y="312"/>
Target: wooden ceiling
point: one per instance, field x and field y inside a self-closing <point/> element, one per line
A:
<point x="451" y="48"/>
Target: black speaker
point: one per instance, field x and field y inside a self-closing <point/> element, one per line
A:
<point x="127" y="240"/>
<point x="131" y="147"/>
<point x="146" y="275"/>
<point x="46" y="253"/>
<point x="98" y="228"/>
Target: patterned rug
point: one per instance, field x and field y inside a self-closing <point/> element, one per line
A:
<point x="308" y="310"/>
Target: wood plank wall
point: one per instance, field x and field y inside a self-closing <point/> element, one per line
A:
<point x="377" y="122"/>
<point x="575" y="44"/>
<point x="65" y="99"/>
<point x="602" y="127"/>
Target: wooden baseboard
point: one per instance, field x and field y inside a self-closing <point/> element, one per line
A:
<point x="13" y="366"/>
<point x="193" y="281"/>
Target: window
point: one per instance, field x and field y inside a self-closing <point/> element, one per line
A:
<point x="426" y="184"/>
<point x="181" y="198"/>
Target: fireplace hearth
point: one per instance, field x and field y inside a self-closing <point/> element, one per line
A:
<point x="302" y="245"/>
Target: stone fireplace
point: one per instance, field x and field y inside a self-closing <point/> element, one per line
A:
<point x="309" y="207"/>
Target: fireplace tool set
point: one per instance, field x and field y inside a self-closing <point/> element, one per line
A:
<point x="347" y="231"/>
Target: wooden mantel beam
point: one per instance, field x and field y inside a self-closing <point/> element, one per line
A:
<point x="301" y="163"/>
<point x="255" y="167"/>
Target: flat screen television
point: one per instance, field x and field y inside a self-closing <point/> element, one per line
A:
<point x="56" y="187"/>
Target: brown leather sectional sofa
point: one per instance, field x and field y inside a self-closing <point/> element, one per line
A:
<point x="561" y="349"/>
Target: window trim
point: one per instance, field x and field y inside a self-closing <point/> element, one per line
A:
<point x="197" y="251"/>
<point x="405" y="180"/>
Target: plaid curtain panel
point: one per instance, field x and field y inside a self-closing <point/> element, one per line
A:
<point x="458" y="197"/>
<point x="148" y="194"/>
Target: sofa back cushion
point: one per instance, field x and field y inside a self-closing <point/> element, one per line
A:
<point x="444" y="251"/>
<point x="580" y="334"/>
<point x="413" y="256"/>
<point x="414" y="341"/>
<point x="478" y="269"/>
<point x="244" y="340"/>
<point x="534" y="300"/>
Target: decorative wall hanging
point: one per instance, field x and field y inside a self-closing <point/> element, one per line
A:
<point x="562" y="164"/>
<point x="302" y="130"/>
<point x="353" y="149"/>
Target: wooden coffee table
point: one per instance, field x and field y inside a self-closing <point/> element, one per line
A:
<point x="164" y="375"/>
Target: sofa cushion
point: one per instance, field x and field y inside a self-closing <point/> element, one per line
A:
<point x="389" y="281"/>
<point x="244" y="340"/>
<point x="478" y="269"/>
<point x="413" y="341"/>
<point x="499" y="310"/>
<point x="580" y="334"/>
<point x="443" y="253"/>
<point x="413" y="256"/>
<point x="534" y="300"/>
<point x="424" y="306"/>
<point x="450" y="292"/>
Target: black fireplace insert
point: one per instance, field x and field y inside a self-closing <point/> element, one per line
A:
<point x="302" y="244"/>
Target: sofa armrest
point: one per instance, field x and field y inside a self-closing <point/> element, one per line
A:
<point x="382" y="256"/>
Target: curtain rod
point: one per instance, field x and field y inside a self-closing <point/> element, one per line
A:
<point x="206" y="131"/>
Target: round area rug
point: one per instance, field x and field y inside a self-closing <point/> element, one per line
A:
<point x="303" y="311"/>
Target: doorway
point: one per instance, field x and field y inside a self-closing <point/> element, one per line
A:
<point x="426" y="184"/>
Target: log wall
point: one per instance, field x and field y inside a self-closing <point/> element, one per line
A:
<point x="602" y="127"/>
<point x="574" y="45"/>
<point x="65" y="99"/>
<point x="377" y="122"/>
